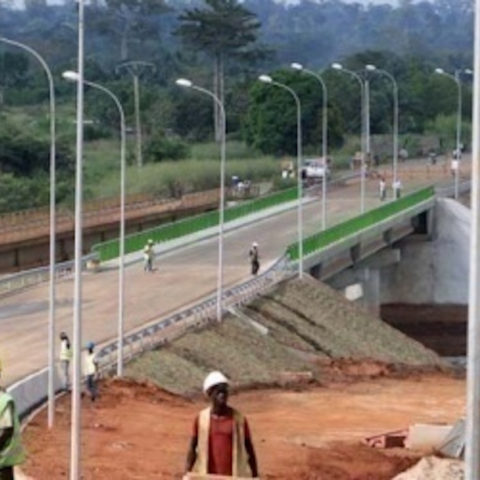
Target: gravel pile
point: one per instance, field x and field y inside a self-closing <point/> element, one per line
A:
<point x="433" y="468"/>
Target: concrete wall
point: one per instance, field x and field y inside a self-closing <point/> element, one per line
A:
<point x="434" y="272"/>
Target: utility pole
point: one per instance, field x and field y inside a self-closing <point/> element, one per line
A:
<point x="135" y="68"/>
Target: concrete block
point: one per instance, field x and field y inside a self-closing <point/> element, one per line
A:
<point x="426" y="437"/>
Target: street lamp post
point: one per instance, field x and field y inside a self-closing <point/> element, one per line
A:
<point x="267" y="79"/>
<point x="456" y="79"/>
<point x="183" y="82"/>
<point x="301" y="68"/>
<point x="472" y="437"/>
<point x="51" y="317"/>
<point x="135" y="69"/>
<point x="76" y="425"/>
<point x="73" y="76"/>
<point x="372" y="68"/>
<point x="339" y="67"/>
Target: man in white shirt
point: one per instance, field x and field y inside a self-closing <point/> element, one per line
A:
<point x="90" y="370"/>
<point x="65" y="357"/>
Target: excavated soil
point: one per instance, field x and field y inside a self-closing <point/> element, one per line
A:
<point x="138" y="431"/>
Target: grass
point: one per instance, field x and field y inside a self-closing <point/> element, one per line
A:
<point x="349" y="227"/>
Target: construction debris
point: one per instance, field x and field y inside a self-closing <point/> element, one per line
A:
<point x="394" y="439"/>
<point x="454" y="445"/>
<point x="425" y="437"/>
<point x="433" y="468"/>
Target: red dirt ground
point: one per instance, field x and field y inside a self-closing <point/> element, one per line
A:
<point x="141" y="432"/>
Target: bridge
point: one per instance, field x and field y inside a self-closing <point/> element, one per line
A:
<point x="187" y="275"/>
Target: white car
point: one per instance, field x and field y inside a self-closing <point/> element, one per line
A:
<point x="315" y="168"/>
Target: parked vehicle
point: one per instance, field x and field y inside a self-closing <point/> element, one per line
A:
<point x="315" y="169"/>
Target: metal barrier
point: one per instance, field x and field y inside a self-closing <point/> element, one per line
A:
<point x="34" y="276"/>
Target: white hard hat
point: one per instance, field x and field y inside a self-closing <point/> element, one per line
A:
<point x="254" y="244"/>
<point x="212" y="379"/>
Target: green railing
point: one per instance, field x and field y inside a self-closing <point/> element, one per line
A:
<point x="189" y="225"/>
<point x="331" y="235"/>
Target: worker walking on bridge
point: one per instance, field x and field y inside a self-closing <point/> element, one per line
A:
<point x="148" y="255"/>
<point x="11" y="450"/>
<point x="254" y="258"/>
<point x="221" y="443"/>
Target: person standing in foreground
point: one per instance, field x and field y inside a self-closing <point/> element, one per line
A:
<point x="221" y="443"/>
<point x="65" y="358"/>
<point x="11" y="451"/>
<point x="382" y="188"/>
<point x="90" y="371"/>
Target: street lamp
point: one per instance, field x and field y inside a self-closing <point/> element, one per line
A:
<point x="73" y="76"/>
<point x="51" y="317"/>
<point x="299" y="67"/>
<point x="183" y="82"/>
<point x="267" y="79"/>
<point x="75" y="442"/>
<point x="456" y="79"/>
<point x="472" y="437"/>
<point x="135" y="68"/>
<point x="340" y="68"/>
<point x="373" y="68"/>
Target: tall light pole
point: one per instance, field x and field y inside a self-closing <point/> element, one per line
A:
<point x="301" y="68"/>
<point x="372" y="68"/>
<point x="73" y="76"/>
<point x="135" y="69"/>
<point x="472" y="435"/>
<point x="183" y="82"/>
<point x="76" y="425"/>
<point x="51" y="302"/>
<point x="339" y="67"/>
<point x="268" y="80"/>
<point x="456" y="79"/>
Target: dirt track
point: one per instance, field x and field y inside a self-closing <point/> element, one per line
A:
<point x="141" y="432"/>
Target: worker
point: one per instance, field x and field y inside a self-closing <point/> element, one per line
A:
<point x="65" y="358"/>
<point x="397" y="188"/>
<point x="90" y="366"/>
<point x="221" y="443"/>
<point x="148" y="254"/>
<point x="254" y="258"/>
<point x="382" y="186"/>
<point x="11" y="450"/>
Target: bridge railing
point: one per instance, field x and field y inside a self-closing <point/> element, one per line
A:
<point x="34" y="276"/>
<point x="322" y="239"/>
<point x="135" y="242"/>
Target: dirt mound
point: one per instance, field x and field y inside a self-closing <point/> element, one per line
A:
<point x="312" y="330"/>
<point x="352" y="462"/>
<point x="310" y="316"/>
<point x="433" y="468"/>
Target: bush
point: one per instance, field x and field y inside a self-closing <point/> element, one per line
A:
<point x="161" y="148"/>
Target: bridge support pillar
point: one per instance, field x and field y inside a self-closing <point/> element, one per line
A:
<point x="371" y="290"/>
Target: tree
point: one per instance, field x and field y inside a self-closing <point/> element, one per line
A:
<point x="271" y="124"/>
<point x="224" y="29"/>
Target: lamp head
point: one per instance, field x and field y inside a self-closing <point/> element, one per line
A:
<point x="265" y="79"/>
<point x="370" y="67"/>
<point x="183" y="82"/>
<point x="71" y="76"/>
<point x="297" y="66"/>
<point x="337" y="66"/>
<point x="440" y="71"/>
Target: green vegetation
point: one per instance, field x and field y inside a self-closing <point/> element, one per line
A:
<point x="171" y="231"/>
<point x="331" y="235"/>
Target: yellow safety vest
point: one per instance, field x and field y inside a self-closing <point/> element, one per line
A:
<point x="13" y="453"/>
<point x="240" y="467"/>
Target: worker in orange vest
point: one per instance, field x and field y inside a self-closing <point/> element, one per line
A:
<point x="221" y="443"/>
